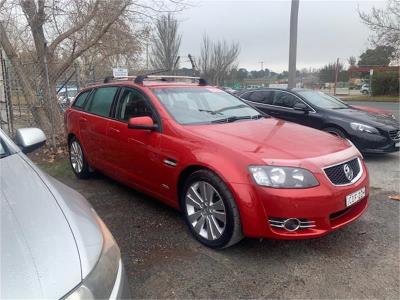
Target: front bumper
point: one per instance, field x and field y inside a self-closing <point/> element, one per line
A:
<point x="375" y="143"/>
<point x="121" y="288"/>
<point x="324" y="206"/>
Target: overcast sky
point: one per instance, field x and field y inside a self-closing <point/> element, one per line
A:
<point x="326" y="30"/>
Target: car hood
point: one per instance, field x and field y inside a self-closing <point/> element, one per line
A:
<point x="369" y="118"/>
<point x="273" y="139"/>
<point x="39" y="255"/>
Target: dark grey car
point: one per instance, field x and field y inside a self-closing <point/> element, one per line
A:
<point x="53" y="244"/>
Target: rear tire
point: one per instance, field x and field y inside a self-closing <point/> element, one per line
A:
<point x="213" y="217"/>
<point x="77" y="159"/>
<point x="335" y="131"/>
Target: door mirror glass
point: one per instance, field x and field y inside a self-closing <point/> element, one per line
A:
<point x="29" y="139"/>
<point x="144" y="123"/>
<point x="301" y="106"/>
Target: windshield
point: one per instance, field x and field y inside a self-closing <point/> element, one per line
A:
<point x="202" y="105"/>
<point x="322" y="100"/>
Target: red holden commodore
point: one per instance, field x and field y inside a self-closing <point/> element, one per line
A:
<point x="232" y="171"/>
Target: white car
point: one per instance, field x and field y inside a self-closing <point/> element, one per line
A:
<point x="364" y="89"/>
<point x="53" y="244"/>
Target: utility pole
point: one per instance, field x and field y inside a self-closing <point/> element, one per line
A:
<point x="262" y="65"/>
<point x="336" y="76"/>
<point x="294" y="13"/>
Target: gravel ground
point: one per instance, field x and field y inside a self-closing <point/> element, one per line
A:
<point x="162" y="260"/>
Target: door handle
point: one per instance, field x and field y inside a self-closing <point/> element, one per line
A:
<point x="82" y="119"/>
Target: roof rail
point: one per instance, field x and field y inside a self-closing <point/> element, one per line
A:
<point x="140" y="79"/>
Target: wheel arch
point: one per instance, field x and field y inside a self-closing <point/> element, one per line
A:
<point x="69" y="138"/>
<point x="185" y="173"/>
<point x="332" y="125"/>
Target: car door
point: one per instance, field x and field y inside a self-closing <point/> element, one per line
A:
<point x="93" y="125"/>
<point x="134" y="153"/>
<point x="283" y="107"/>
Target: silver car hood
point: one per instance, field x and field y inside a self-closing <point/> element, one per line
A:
<point x="49" y="237"/>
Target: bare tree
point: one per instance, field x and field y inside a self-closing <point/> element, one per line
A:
<point x="56" y="34"/>
<point x="165" y="44"/>
<point x="352" y="60"/>
<point x="217" y="59"/>
<point x="385" y="25"/>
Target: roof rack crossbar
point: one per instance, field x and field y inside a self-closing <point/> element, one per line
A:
<point x="152" y="75"/>
<point x="140" y="79"/>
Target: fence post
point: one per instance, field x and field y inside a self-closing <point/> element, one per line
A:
<point x="50" y="101"/>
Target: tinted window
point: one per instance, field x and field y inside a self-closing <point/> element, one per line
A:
<point x="285" y="99"/>
<point x="101" y="102"/>
<point x="132" y="104"/>
<point x="246" y="95"/>
<point x="80" y="100"/>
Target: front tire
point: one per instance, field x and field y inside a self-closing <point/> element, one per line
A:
<point x="210" y="210"/>
<point x="77" y="159"/>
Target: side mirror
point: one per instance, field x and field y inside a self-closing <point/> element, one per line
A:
<point x="144" y="123"/>
<point x="29" y="139"/>
<point x="301" y="106"/>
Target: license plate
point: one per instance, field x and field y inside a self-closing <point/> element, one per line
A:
<point x="397" y="144"/>
<point x="355" y="197"/>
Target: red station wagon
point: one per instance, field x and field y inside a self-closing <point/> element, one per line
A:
<point x="231" y="170"/>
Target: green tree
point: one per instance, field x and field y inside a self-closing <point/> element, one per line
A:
<point x="381" y="56"/>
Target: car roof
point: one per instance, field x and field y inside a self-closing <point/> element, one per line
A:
<point x="148" y="84"/>
<point x="273" y="89"/>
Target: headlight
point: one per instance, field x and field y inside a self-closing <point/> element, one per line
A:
<point x="283" y="177"/>
<point x="100" y="282"/>
<point x="364" y="128"/>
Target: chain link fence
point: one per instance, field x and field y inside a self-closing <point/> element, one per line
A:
<point x="21" y="101"/>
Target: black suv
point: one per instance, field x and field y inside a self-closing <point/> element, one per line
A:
<point x="371" y="133"/>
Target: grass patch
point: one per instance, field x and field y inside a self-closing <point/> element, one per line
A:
<point x="59" y="168"/>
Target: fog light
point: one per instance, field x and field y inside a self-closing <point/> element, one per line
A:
<point x="291" y="224"/>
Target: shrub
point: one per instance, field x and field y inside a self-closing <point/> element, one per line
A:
<point x="385" y="83"/>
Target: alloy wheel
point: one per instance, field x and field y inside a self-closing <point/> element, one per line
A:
<point x="206" y="210"/>
<point x="76" y="156"/>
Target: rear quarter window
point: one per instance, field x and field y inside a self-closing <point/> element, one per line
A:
<point x="80" y="100"/>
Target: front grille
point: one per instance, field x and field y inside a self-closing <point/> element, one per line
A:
<point x="394" y="135"/>
<point x="338" y="176"/>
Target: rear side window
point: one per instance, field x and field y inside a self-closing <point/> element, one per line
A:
<point x="80" y="100"/>
<point x="264" y="97"/>
<point x="285" y="99"/>
<point x="100" y="103"/>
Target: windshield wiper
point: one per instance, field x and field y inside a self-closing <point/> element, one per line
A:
<point x="236" y="118"/>
<point x="213" y="112"/>
<point x="219" y="111"/>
